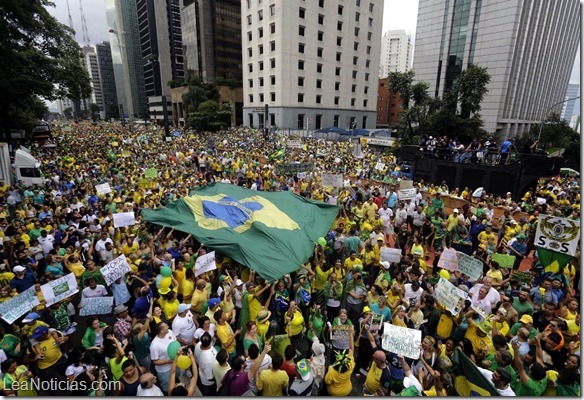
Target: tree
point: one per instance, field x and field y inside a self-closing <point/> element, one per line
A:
<point x="471" y="88"/>
<point x="68" y="113"/>
<point x="40" y="59"/>
<point x="211" y="116"/>
<point x="199" y="92"/>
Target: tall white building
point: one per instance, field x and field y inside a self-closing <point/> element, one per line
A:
<point x="396" y="52"/>
<point x="527" y="46"/>
<point x="92" y="67"/>
<point x="314" y="63"/>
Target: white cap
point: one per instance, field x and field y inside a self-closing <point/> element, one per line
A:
<point x="385" y="264"/>
<point x="238" y="282"/>
<point x="18" y="268"/>
<point x="455" y="210"/>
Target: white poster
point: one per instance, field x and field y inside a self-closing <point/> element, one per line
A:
<point x="451" y="297"/>
<point x="17" y="306"/>
<point x="557" y="234"/>
<point x="406" y="184"/>
<point x="205" y="263"/>
<point x="379" y="166"/>
<point x="103" y="188"/>
<point x="406" y="194"/>
<point x="96" y="306"/>
<point x="124" y="219"/>
<point x="389" y="254"/>
<point x="59" y="289"/>
<point x="115" y="269"/>
<point x="470" y="266"/>
<point x="294" y="144"/>
<point x="402" y="341"/>
<point x="334" y="180"/>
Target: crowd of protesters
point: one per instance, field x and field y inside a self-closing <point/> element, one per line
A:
<point x="239" y="334"/>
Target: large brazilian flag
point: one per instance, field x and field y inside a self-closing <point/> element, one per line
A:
<point x="469" y="381"/>
<point x="270" y="232"/>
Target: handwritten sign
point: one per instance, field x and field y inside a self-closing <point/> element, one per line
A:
<point x="205" y="263"/>
<point x="504" y="260"/>
<point x="124" y="219"/>
<point x="479" y="311"/>
<point x="406" y="194"/>
<point x="340" y="332"/>
<point x="293" y="169"/>
<point x="406" y="184"/>
<point x="448" y="260"/>
<point x="376" y="321"/>
<point x="12" y="309"/>
<point x="451" y="297"/>
<point x="301" y="175"/>
<point x="115" y="269"/>
<point x="103" y="188"/>
<point x="294" y="144"/>
<point x="469" y="266"/>
<point x="59" y="289"/>
<point x="151" y="173"/>
<point x="379" y="166"/>
<point x="96" y="305"/>
<point x="389" y="254"/>
<point x="521" y="276"/>
<point x="402" y="341"/>
<point x="334" y="180"/>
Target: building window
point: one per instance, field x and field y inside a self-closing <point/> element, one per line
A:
<point x="261" y="80"/>
<point x="272" y="79"/>
<point x="320" y="36"/>
<point x="318" y="99"/>
<point x="249" y="52"/>
<point x="319" y="83"/>
<point x="261" y="97"/>
<point x="260" y="15"/>
<point x="340" y="9"/>
<point x="261" y="48"/>
<point x="319" y="52"/>
<point x="318" y="121"/>
<point x="301" y="64"/>
<point x="251" y="98"/>
<point x="301" y="30"/>
<point x="248" y="3"/>
<point x="249" y="20"/>
<point x="339" y="54"/>
<point x="358" y="3"/>
<point x="337" y="86"/>
<point x="367" y="62"/>
<point x="301" y="12"/>
<point x="249" y="36"/>
<point x="273" y="45"/>
<point x="365" y="103"/>
<point x="261" y="65"/>
<point x="272" y="97"/>
<point x="357" y="15"/>
<point x="368" y="49"/>
<point x="272" y="28"/>
<point x="319" y="68"/>
<point x="356" y="31"/>
<point x="250" y="67"/>
<point x="251" y="83"/>
<point x="367" y="76"/>
<point x="301" y="47"/>
<point x="337" y="99"/>
<point x="300" y="121"/>
<point x="321" y="3"/>
<point x="250" y="116"/>
<point x="338" y="71"/>
<point x="272" y="10"/>
<point x="261" y="32"/>
<point x="339" y="41"/>
<point x="300" y="81"/>
<point x="353" y="88"/>
<point x="365" y="89"/>
<point x="371" y="7"/>
<point x="355" y="59"/>
<point x="272" y="63"/>
<point x="336" y="121"/>
<point x="339" y="25"/>
<point x="356" y="46"/>
<point x="300" y="97"/>
<point x="369" y="35"/>
<point x="353" y="102"/>
<point x="370" y="22"/>
<point x="354" y="74"/>
<point x="365" y="121"/>
<point x="320" y="19"/>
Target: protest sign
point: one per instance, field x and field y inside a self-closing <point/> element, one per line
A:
<point x="504" y="260"/>
<point x="340" y="332"/>
<point x="96" y="305"/>
<point x="470" y="266"/>
<point x="379" y="166"/>
<point x="376" y="321"/>
<point x="124" y="219"/>
<point x="103" y="188"/>
<point x="301" y="175"/>
<point x="402" y="341"/>
<point x="479" y="311"/>
<point x="294" y="144"/>
<point x="521" y="276"/>
<point x="151" y="173"/>
<point x="293" y="169"/>
<point x="205" y="263"/>
<point x="406" y="194"/>
<point x="557" y="234"/>
<point x="406" y="184"/>
<point x="59" y="289"/>
<point x="451" y="297"/>
<point x="389" y="254"/>
<point x="115" y="269"/>
<point x="14" y="308"/>
<point x="334" y="180"/>
<point x="448" y="260"/>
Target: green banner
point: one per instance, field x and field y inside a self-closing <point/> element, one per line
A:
<point x="521" y="276"/>
<point x="293" y="169"/>
<point x="151" y="173"/>
<point x="504" y="260"/>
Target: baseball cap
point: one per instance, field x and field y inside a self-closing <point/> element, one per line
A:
<point x="526" y="319"/>
<point x="213" y="302"/>
<point x="455" y="210"/>
<point x="183" y="307"/>
<point x="222" y="278"/>
<point x="39" y="332"/>
<point x="385" y="264"/>
<point x="18" y="268"/>
<point x="303" y="369"/>
<point x="513" y="222"/>
<point x="238" y="282"/>
<point x="30" y="317"/>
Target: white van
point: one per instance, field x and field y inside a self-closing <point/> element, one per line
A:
<point x="27" y="169"/>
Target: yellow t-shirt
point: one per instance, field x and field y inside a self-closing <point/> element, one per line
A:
<point x="497" y="275"/>
<point x="198" y="299"/>
<point x="254" y="306"/>
<point x="127" y="250"/>
<point x="273" y="383"/>
<point x="5" y="278"/>
<point x="179" y="275"/>
<point x="52" y="353"/>
<point x="297" y="323"/>
<point x="351" y="264"/>
<point x="188" y="287"/>
<point x="224" y="333"/>
<point x="373" y="381"/>
<point x="170" y="309"/>
<point x="77" y="269"/>
<point x="339" y="384"/>
<point x="478" y="343"/>
<point x="321" y="278"/>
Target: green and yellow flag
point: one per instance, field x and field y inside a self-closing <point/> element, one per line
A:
<point x="552" y="261"/>
<point x="270" y="232"/>
<point x="469" y="381"/>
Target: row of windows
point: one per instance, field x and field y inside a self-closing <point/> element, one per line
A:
<point x="318" y="99"/>
<point x="301" y="80"/>
<point x="302" y="32"/>
<point x="301" y="67"/>
<point x="321" y="5"/>
<point x="320" y="50"/>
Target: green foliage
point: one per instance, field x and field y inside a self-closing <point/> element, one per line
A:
<point x="470" y="89"/>
<point x="40" y="59"/>
<point x="211" y="116"/>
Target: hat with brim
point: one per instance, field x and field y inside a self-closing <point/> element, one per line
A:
<point x="120" y="309"/>
<point x="18" y="268"/>
<point x="30" y="317"/>
<point x="485" y="326"/>
<point x="263" y="316"/>
<point x="303" y="369"/>
<point x="366" y="309"/>
<point x="526" y="319"/>
<point x="164" y="290"/>
<point x="213" y="302"/>
<point x="385" y="264"/>
<point x="183" y="307"/>
<point x="238" y="282"/>
<point x="39" y="332"/>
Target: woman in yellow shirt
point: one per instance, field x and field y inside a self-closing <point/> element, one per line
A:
<point x="294" y="322"/>
<point x="400" y="317"/>
<point x="338" y="376"/>
<point x="188" y="286"/>
<point x="168" y="302"/>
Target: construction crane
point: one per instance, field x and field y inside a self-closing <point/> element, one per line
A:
<point x="70" y="18"/>
<point x="84" y="26"/>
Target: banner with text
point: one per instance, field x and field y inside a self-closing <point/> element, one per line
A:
<point x="379" y="166"/>
<point x="103" y="188"/>
<point x="294" y="144"/>
<point x="115" y="269"/>
<point x="504" y="260"/>
<point x="124" y="219"/>
<point x="59" y="289"/>
<point x="16" y="307"/>
<point x="293" y="169"/>
<point x="334" y="180"/>
<point x="96" y="306"/>
<point x="389" y="254"/>
<point x="451" y="297"/>
<point x="402" y="341"/>
<point x="406" y="194"/>
<point x="205" y="263"/>
<point x="448" y="260"/>
<point x="470" y="266"/>
<point x="340" y="332"/>
<point x="557" y="234"/>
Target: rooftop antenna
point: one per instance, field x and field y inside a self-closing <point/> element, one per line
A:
<point x="84" y="26"/>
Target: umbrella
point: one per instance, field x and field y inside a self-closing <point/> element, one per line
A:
<point x="569" y="172"/>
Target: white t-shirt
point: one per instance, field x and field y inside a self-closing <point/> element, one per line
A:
<point x="385" y="216"/>
<point x="493" y="296"/>
<point x="2" y="359"/>
<point x="184" y="327"/>
<point x="199" y="332"/>
<point x="99" y="291"/>
<point x="154" y="391"/>
<point x="489" y="375"/>
<point x="46" y="243"/>
<point x="159" y="350"/>
<point x="205" y="359"/>
<point x="413" y="297"/>
<point x="75" y="370"/>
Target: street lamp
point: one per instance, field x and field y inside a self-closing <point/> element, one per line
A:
<point x="548" y="110"/>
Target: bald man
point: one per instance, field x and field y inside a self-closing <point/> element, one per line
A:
<point x="148" y="386"/>
<point x="200" y="296"/>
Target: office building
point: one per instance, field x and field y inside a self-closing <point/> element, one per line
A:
<point x="107" y="80"/>
<point x="211" y="32"/>
<point x="389" y="105"/>
<point x="314" y="63"/>
<point x="572" y="105"/>
<point x="396" y="52"/>
<point x="92" y="67"/>
<point x="527" y="46"/>
<point x="122" y="20"/>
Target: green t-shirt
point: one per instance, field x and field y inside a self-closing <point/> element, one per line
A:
<point x="522" y="308"/>
<point x="317" y="325"/>
<point x="530" y="388"/>
<point x="516" y="326"/>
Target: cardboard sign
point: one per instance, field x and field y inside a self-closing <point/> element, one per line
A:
<point x="406" y="184"/>
<point x="16" y="307"/>
<point x="469" y="266"/>
<point x="376" y="321"/>
<point x="124" y="219"/>
<point x="451" y="297"/>
<point x="521" y="276"/>
<point x="557" y="234"/>
<point x="334" y="180"/>
<point x="103" y="188"/>
<point x="340" y="332"/>
<point x="294" y="144"/>
<point x="448" y="260"/>
<point x="379" y="166"/>
<point x="205" y="263"/>
<point x="479" y="311"/>
<point x="59" y="289"/>
<point x="402" y="341"/>
<point x="389" y="254"/>
<point x="115" y="269"/>
<point x="96" y="306"/>
<point x="406" y="194"/>
<point x="504" y="260"/>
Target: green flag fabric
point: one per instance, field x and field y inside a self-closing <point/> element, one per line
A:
<point x="469" y="381"/>
<point x="552" y="261"/>
<point x="270" y="232"/>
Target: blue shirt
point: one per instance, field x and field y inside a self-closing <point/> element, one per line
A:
<point x="386" y="312"/>
<point x="22" y="284"/>
<point x="142" y="305"/>
<point x="505" y="146"/>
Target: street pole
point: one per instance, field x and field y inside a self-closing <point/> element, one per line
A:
<point x="548" y="110"/>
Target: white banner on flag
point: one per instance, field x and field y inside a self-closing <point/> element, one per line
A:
<point x="59" y="289"/>
<point x="334" y="180"/>
<point x="557" y="234"/>
<point x="401" y="341"/>
<point x="124" y="219"/>
<point x="96" y="306"/>
<point x="12" y="309"/>
<point x="389" y="254"/>
<point x="103" y="188"/>
<point x="115" y="269"/>
<point x="406" y="194"/>
<point x="205" y="263"/>
<point x="451" y="297"/>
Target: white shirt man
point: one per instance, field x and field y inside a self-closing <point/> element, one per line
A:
<point x="46" y="243"/>
<point x="150" y="389"/>
<point x="205" y="359"/>
<point x="183" y="325"/>
<point x="385" y="214"/>
<point x="159" y="352"/>
<point x="493" y="295"/>
<point x="97" y="291"/>
<point x="100" y="245"/>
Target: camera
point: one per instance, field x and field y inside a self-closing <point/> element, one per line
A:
<point x="185" y="351"/>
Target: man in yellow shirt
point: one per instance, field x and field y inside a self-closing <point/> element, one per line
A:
<point x="200" y="296"/>
<point x="483" y="237"/>
<point x="478" y="334"/>
<point x="225" y="333"/>
<point x="353" y="262"/>
<point x="273" y="381"/>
